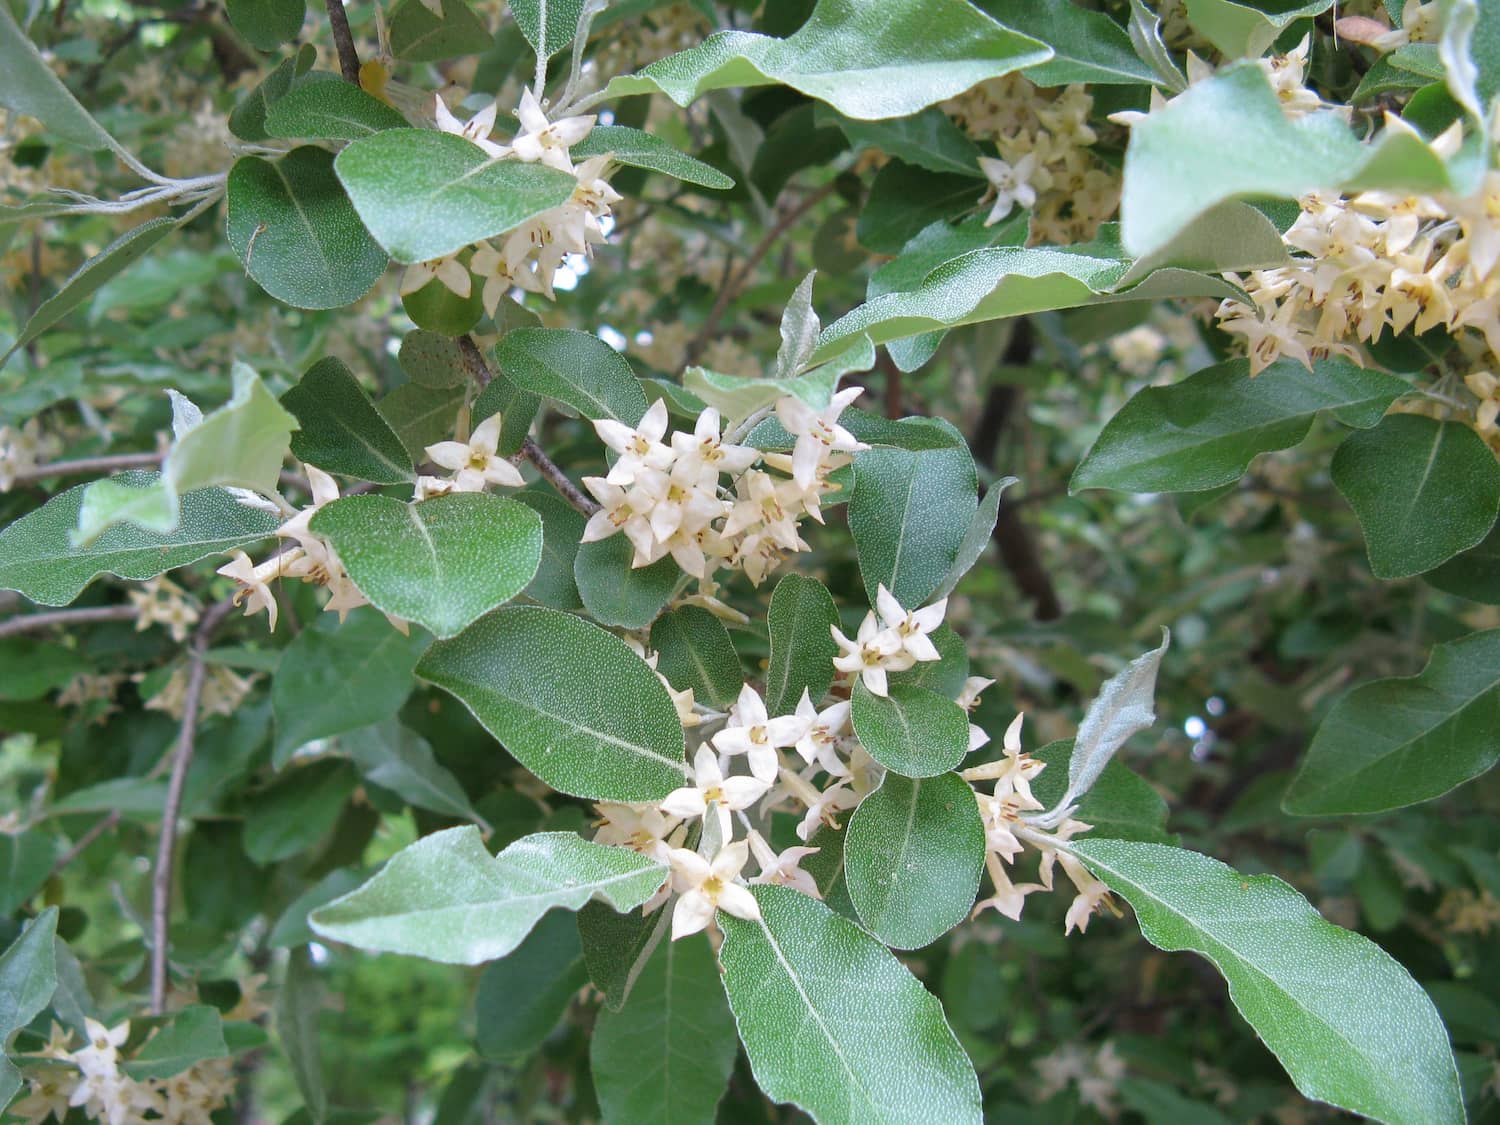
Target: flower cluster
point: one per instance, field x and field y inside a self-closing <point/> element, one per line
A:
<point x="1046" y="160"/>
<point x="748" y="764"/>
<point x="473" y="465"/>
<point x="311" y="558"/>
<point x="664" y="492"/>
<point x="223" y="691"/>
<point x="90" y="1079"/>
<point x="162" y="602"/>
<point x="22" y="449"/>
<point x="529" y="256"/>
<point x="1004" y="813"/>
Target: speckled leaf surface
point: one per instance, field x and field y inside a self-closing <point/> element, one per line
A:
<point x="834" y="1024"/>
<point x="342" y="432"/>
<point x="425" y="194"/>
<point x="1345" y="1019"/>
<point x="913" y="731"/>
<point x="447" y="899"/>
<point x="548" y="685"/>
<point x="442" y="562"/>
<point x="666" y="1056"/>
<point x="1395" y="742"/>
<point x="1423" y="490"/>
<point x="638" y="149"/>
<point x="693" y="650"/>
<point x="909" y="515"/>
<point x="1247" y="29"/>
<point x="913" y="856"/>
<point x="575" y="368"/>
<point x="868" y="61"/>
<point x="616" y="593"/>
<point x="802" y="647"/>
<point x="325" y="107"/>
<point x="39" y="560"/>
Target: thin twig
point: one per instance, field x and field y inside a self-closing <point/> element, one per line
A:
<point x="343" y="40"/>
<point x="729" y="291"/>
<point x="557" y="478"/>
<point x="161" y="878"/>
<point x="31" y="622"/>
<point x="481" y="373"/>
<point x="86" y="465"/>
<point x="100" y="827"/>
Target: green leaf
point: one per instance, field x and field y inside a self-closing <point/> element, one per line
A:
<point x="335" y="678"/>
<point x="694" y="651"/>
<point x="1423" y="490"/>
<point x="913" y="858"/>
<point x="28" y="973"/>
<point x="1087" y="46"/>
<point x="39" y="560"/>
<point x="549" y="25"/>
<point x="1474" y="574"/>
<point x="1348" y="1022"/>
<point x="192" y="1035"/>
<point x="617" y="594"/>
<point x="1121" y="804"/>
<point x="1204" y="431"/>
<point x="913" y="731"/>
<point x="928" y="140"/>
<point x="296" y="231"/>
<point x="422" y="416"/>
<point x="866" y="61"/>
<point x="1007" y="281"/>
<point x="247" y="120"/>
<point x="517" y="410"/>
<point x="299" y="809"/>
<point x="242" y="444"/>
<point x="26" y="861"/>
<point x="905" y="200"/>
<point x="562" y="528"/>
<point x="548" y="686"/>
<point x="576" y="369"/>
<point x="291" y="928"/>
<point x="736" y="397"/>
<point x="342" y="432"/>
<point x="432" y="360"/>
<point x="947" y="675"/>
<point x="447" y="899"/>
<point x="666" y="1057"/>
<point x="802" y="647"/>
<point x="425" y="194"/>
<point x="1395" y="742"/>
<point x="417" y="35"/>
<point x="1240" y="29"/>
<point x="267" y="24"/>
<point x="28" y="86"/>
<point x="442" y="562"/>
<point x="972" y="546"/>
<point x="908" y="516"/>
<point x="1469" y="49"/>
<point x="323" y="106"/>
<point x="638" y="149"/>
<point x="833" y="1023"/>
<point x="86" y="280"/>
<point x="398" y="759"/>
<point x="616" y="947"/>
<point x="298" y="1002"/>
<point x="1227" y="138"/>
<point x="522" y="996"/>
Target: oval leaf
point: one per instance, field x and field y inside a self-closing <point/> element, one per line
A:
<point x="442" y="562"/>
<point x="913" y="731"/>
<point x="913" y="857"/>
<point x="425" y="194"/>
<point x="342" y="432"/>
<point x="548" y="685"/>
<point x="325" y="107"/>
<point x="1345" y="1019"/>
<point x="447" y="899"/>
<point x="642" y="150"/>
<point x="1395" y="742"/>
<point x="833" y="1023"/>
<point x="802" y="648"/>
<point x="694" y="651"/>
<point x="576" y="369"/>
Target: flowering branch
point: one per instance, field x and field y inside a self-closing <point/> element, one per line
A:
<point x="31" y="622"/>
<point x="530" y="450"/>
<point x="161" y="879"/>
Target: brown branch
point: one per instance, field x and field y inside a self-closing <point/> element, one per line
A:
<point x="161" y="878"/>
<point x="530" y="450"/>
<point x="343" y="40"/>
<point x="84" y="465"/>
<point x="31" y="622"/>
<point x="731" y="289"/>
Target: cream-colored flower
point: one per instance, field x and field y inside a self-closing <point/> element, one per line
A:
<point x="476" y="463"/>
<point x="705" y="886"/>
